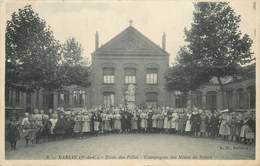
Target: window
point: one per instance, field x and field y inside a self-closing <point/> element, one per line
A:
<point x="240" y="98"/>
<point x="229" y="97"/>
<point x="197" y="99"/>
<point x="130" y="76"/>
<point x="151" y="99"/>
<point x="109" y="99"/>
<point x="211" y="100"/>
<point x="109" y="75"/>
<point x="63" y="98"/>
<point x="79" y="97"/>
<point x="17" y="97"/>
<point x="28" y="101"/>
<point x="48" y="100"/>
<point x="151" y="76"/>
<point x="8" y="94"/>
<point x="180" y="101"/>
<point x="251" y="97"/>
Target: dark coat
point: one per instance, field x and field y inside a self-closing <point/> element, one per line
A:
<point x="13" y="133"/>
<point x="60" y="126"/>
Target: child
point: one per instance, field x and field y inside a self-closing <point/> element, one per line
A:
<point x="46" y="128"/>
<point x="13" y="134"/>
<point x="26" y="127"/>
<point x="53" y="121"/>
<point x="203" y="126"/>
<point x="117" y="122"/>
<point x="78" y="124"/>
<point x="188" y="124"/>
<point x="85" y="123"/>
<point x="134" y="122"/>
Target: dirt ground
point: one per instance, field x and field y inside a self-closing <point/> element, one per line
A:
<point x="134" y="146"/>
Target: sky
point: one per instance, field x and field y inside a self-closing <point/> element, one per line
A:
<point x="81" y="19"/>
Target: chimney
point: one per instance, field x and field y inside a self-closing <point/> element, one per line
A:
<point x="164" y="41"/>
<point x="96" y="40"/>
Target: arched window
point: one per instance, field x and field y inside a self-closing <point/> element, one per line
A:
<point x="229" y="98"/>
<point x="109" y="99"/>
<point x="108" y="75"/>
<point x="152" y="76"/>
<point x="79" y="97"/>
<point x="130" y="75"/>
<point x="211" y="100"/>
<point x="63" y="98"/>
<point x="251" y="97"/>
<point x="240" y="98"/>
<point x="197" y="98"/>
<point x="151" y="99"/>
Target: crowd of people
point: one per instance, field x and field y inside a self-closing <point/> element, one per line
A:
<point x="80" y="123"/>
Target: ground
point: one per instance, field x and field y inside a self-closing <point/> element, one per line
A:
<point x="134" y="146"/>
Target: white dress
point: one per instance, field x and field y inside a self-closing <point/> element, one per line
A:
<point x="86" y="124"/>
<point x="53" y="124"/>
<point x="174" y="120"/>
<point x="188" y="124"/>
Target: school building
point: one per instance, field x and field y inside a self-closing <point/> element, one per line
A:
<point x="132" y="58"/>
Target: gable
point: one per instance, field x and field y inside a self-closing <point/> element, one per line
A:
<point x="130" y="42"/>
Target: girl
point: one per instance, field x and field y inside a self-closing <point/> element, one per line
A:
<point x="134" y="122"/>
<point x="59" y="128"/>
<point x="117" y="124"/>
<point x="143" y="117"/>
<point x="203" y="126"/>
<point x="97" y="120"/>
<point x="154" y="122"/>
<point x="188" y="124"/>
<point x="13" y="134"/>
<point x="78" y="124"/>
<point x="224" y="126"/>
<point x="53" y="121"/>
<point x="26" y="126"/>
<point x="175" y="117"/>
<point x="85" y="123"/>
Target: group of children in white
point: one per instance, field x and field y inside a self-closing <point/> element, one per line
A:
<point x="81" y="123"/>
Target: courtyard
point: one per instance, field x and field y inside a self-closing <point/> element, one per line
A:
<point x="134" y="146"/>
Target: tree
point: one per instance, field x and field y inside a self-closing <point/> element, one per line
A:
<point x="73" y="70"/>
<point x="72" y="52"/>
<point x="186" y="74"/>
<point x="216" y="42"/>
<point x="32" y="53"/>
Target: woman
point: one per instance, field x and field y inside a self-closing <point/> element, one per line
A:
<point x="160" y="121"/>
<point x="107" y="123"/>
<point x="143" y="117"/>
<point x="85" y="123"/>
<point x="46" y="128"/>
<point x="195" y="123"/>
<point x="203" y="126"/>
<point x="246" y="128"/>
<point x="224" y="126"/>
<point x="117" y="121"/>
<point x="188" y="124"/>
<point x="53" y="121"/>
<point x="78" y="124"/>
<point x="59" y="128"/>
<point x="233" y="127"/>
<point x="181" y="122"/>
<point x="175" y="117"/>
<point x="154" y="122"/>
<point x="165" y="121"/>
<point x="134" y="122"/>
<point x="13" y="134"/>
<point x="97" y="120"/>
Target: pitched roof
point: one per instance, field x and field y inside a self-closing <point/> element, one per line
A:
<point x="130" y="42"/>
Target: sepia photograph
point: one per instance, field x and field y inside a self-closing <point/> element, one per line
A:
<point x="130" y="80"/>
